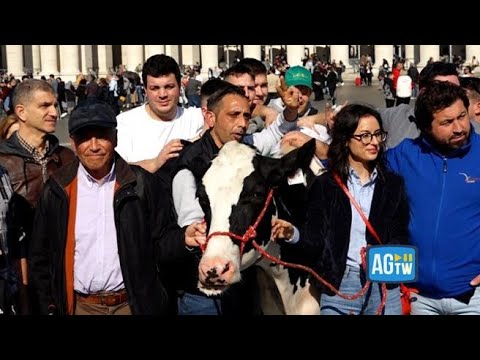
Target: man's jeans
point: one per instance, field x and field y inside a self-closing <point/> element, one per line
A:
<point x="191" y="304"/>
<point x="364" y="305"/>
<point x="422" y="305"/>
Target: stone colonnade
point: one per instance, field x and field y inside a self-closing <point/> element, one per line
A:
<point x="69" y="60"/>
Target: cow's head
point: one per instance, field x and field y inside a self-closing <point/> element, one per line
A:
<point x="232" y="195"/>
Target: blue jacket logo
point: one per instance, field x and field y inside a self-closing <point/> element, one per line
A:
<point x="470" y="179"/>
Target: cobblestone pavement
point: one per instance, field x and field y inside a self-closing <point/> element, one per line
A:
<point x="362" y="94"/>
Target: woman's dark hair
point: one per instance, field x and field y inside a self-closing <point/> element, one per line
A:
<point x="437" y="96"/>
<point x="5" y="125"/>
<point x="345" y="125"/>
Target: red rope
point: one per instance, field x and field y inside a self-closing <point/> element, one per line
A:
<point x="322" y="280"/>
<point x="251" y="232"/>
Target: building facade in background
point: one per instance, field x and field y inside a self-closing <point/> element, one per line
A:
<point x="69" y="60"/>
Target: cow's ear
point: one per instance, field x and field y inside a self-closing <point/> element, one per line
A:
<point x="298" y="159"/>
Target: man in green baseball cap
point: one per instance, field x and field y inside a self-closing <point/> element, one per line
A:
<point x="301" y="78"/>
<point x="298" y="76"/>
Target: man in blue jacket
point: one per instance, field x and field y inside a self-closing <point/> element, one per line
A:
<point x="441" y="169"/>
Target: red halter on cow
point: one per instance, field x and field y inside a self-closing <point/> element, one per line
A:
<point x="235" y="196"/>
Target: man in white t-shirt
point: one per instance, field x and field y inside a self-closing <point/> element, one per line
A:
<point x="150" y="134"/>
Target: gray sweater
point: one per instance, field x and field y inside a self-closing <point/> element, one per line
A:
<point x="398" y="122"/>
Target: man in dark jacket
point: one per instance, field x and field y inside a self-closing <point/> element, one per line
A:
<point x="102" y="229"/>
<point x="228" y="115"/>
<point x="30" y="155"/>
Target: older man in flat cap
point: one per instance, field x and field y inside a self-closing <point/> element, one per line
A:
<point x="102" y="229"/>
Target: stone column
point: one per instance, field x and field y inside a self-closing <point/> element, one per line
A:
<point x="172" y="50"/>
<point x="36" y="63"/>
<point x="252" y="51"/>
<point x="339" y="52"/>
<point x="48" y="59"/>
<point x="105" y="59"/>
<point x="134" y="56"/>
<point x="187" y="55"/>
<point x="471" y="50"/>
<point x="69" y="61"/>
<point x="427" y="51"/>
<point x="154" y="50"/>
<point x="196" y="54"/>
<point x="410" y="53"/>
<point x="15" y="60"/>
<point x="383" y="52"/>
<point x="86" y="58"/>
<point x="295" y="54"/>
<point x="209" y="54"/>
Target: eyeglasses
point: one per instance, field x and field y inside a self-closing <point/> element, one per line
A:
<point x="366" y="138"/>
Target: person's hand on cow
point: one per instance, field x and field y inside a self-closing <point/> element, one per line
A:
<point x="309" y="121"/>
<point x="294" y="139"/>
<point x="281" y="230"/>
<point x="169" y="151"/>
<point x="291" y="99"/>
<point x="330" y="115"/>
<point x="196" y="234"/>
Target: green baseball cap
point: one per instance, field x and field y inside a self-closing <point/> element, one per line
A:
<point x="298" y="75"/>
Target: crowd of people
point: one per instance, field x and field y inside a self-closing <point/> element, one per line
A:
<point x="114" y="226"/>
<point x="122" y="90"/>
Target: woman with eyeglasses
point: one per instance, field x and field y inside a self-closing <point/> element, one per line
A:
<point x="334" y="227"/>
<point x="335" y="232"/>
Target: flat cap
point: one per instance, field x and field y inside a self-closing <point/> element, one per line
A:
<point x="92" y="114"/>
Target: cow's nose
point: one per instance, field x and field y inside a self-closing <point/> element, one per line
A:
<point x="216" y="271"/>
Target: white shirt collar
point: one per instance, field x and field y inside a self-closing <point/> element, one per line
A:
<point x="91" y="180"/>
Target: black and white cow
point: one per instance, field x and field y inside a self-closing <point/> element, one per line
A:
<point x="233" y="193"/>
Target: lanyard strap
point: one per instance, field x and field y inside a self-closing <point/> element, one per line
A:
<point x="359" y="209"/>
